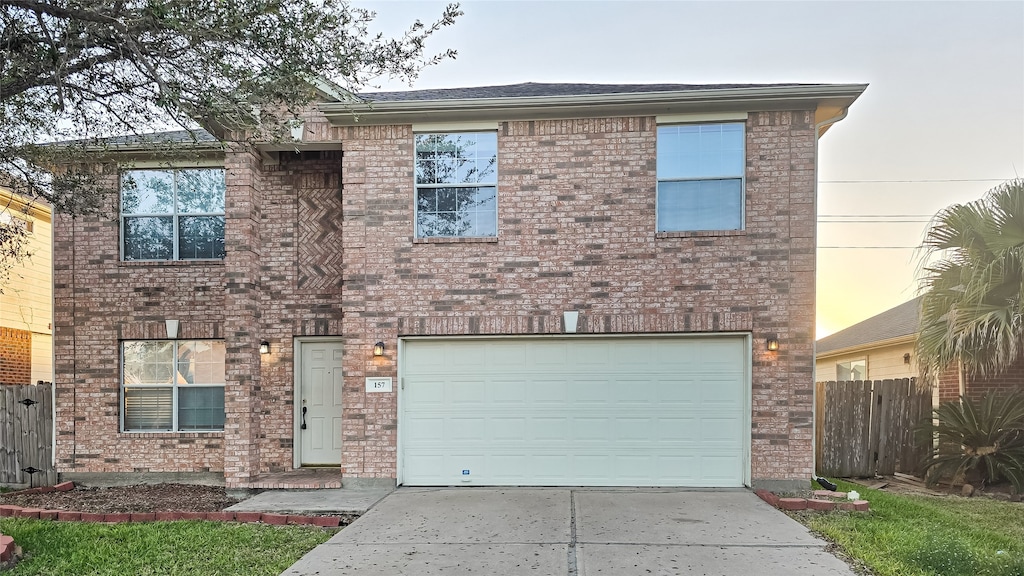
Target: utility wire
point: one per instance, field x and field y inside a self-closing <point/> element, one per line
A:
<point x="934" y="181"/>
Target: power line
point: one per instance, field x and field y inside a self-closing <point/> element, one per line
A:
<point x="875" y="215"/>
<point x="932" y="181"/>
<point x="868" y="247"/>
<point x="872" y="221"/>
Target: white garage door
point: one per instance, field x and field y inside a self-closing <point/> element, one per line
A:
<point x="575" y="412"/>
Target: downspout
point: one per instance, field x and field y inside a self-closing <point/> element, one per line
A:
<point x="814" y="369"/>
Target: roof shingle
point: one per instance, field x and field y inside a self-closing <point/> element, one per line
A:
<point x="893" y="323"/>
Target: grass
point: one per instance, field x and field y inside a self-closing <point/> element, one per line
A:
<point x="911" y="535"/>
<point x="166" y="548"/>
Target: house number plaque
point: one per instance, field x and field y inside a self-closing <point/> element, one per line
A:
<point x="378" y="384"/>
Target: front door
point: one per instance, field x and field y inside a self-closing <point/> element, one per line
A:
<point x="319" y="403"/>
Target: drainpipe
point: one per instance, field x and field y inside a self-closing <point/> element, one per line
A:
<point x="814" y="370"/>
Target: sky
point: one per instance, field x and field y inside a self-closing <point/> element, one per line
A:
<point x="941" y="122"/>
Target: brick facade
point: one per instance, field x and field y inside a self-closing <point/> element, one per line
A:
<point x="15" y="356"/>
<point x="322" y="244"/>
<point x="976" y="386"/>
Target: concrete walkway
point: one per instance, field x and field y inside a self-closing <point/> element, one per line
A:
<point x="571" y="532"/>
<point x="326" y="501"/>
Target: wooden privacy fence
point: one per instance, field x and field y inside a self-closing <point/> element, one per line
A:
<point x="864" y="428"/>
<point x="26" y="435"/>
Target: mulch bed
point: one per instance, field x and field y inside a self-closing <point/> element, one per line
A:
<point x="139" y="498"/>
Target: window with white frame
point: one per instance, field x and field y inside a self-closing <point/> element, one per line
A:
<point x="700" y="177"/>
<point x="456" y="184"/>
<point x="852" y="370"/>
<point x="172" y="385"/>
<point x="174" y="214"/>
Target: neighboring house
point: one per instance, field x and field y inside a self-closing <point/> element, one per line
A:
<point x="26" y="298"/>
<point x="536" y="284"/>
<point x="878" y="348"/>
<point x="882" y="347"/>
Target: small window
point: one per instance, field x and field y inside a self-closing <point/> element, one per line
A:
<point x="852" y="370"/>
<point x="172" y="385"/>
<point x="456" y="185"/>
<point x="173" y="214"/>
<point x="700" y="177"/>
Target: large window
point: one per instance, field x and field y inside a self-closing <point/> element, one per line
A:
<point x="172" y="214"/>
<point x="172" y="385"/>
<point x="700" y="177"/>
<point x="456" y="185"/>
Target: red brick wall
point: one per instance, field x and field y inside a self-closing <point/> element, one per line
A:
<point x="1012" y="380"/>
<point x="15" y="356"/>
<point x="100" y="301"/>
<point x="576" y="208"/>
<point x="977" y="386"/>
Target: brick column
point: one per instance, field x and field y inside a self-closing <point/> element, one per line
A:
<point x="242" y="317"/>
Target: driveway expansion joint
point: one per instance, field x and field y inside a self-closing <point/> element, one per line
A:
<point x="573" y="570"/>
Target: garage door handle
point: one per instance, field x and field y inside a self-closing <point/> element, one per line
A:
<point x="303" y="418"/>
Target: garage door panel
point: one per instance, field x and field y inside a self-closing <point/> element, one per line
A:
<point x="608" y="411"/>
<point x="424" y="393"/>
<point x="549" y="391"/>
<point x="507" y="391"/>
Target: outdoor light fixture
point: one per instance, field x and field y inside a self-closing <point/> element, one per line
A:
<point x="773" y="344"/>
<point x="906" y="358"/>
<point x="378" y="349"/>
<point x="264" y="347"/>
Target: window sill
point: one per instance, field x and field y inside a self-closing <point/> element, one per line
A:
<point x="456" y="240"/>
<point x="700" y="234"/>
<point x="144" y="263"/>
<point x="166" y="434"/>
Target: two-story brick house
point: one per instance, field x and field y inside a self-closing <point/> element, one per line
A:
<point x="533" y="284"/>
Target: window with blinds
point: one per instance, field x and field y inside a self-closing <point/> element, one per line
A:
<point x="172" y="385"/>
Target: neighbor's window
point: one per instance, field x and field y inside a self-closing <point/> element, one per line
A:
<point x="172" y="385"/>
<point x="853" y="370"/>
<point x="172" y="214"/>
<point x="700" y="177"/>
<point x="456" y="185"/>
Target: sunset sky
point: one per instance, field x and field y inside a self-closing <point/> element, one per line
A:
<point x="941" y="122"/>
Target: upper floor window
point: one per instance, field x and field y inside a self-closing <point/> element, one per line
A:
<point x="456" y="185"/>
<point x="172" y="385"/>
<point x="700" y="177"/>
<point x="175" y="214"/>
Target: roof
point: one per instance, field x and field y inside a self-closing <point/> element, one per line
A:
<point x="540" y="101"/>
<point x="897" y="322"/>
<point x="537" y="89"/>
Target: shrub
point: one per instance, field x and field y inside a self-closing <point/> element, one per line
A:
<point x="981" y="441"/>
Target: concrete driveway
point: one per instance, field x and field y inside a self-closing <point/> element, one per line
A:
<point x="572" y="532"/>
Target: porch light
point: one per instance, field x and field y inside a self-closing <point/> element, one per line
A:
<point x="264" y="347"/>
<point x="906" y="358"/>
<point x="378" y="349"/>
<point x="773" y="344"/>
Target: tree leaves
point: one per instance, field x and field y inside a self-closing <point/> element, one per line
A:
<point x="85" y="70"/>
<point x="972" y="307"/>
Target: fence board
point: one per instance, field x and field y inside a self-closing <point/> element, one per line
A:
<point x="865" y="428"/>
<point x="26" y="432"/>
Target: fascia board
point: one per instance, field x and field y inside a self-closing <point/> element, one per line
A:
<point x="593" y="105"/>
<point x="908" y="339"/>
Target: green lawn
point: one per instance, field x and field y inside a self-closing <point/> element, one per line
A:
<point x="905" y="535"/>
<point x="171" y="548"/>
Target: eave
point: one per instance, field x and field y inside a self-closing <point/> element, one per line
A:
<point x="826" y="100"/>
<point x="906" y="339"/>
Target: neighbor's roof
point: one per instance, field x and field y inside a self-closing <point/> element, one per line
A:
<point x="540" y="101"/>
<point x="893" y="323"/>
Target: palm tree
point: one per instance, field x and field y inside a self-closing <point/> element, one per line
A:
<point x="974" y="286"/>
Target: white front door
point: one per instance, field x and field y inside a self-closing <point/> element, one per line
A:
<point x="319" y="403"/>
<point x="610" y="411"/>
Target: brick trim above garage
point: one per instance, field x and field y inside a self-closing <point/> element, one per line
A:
<point x="587" y="324"/>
